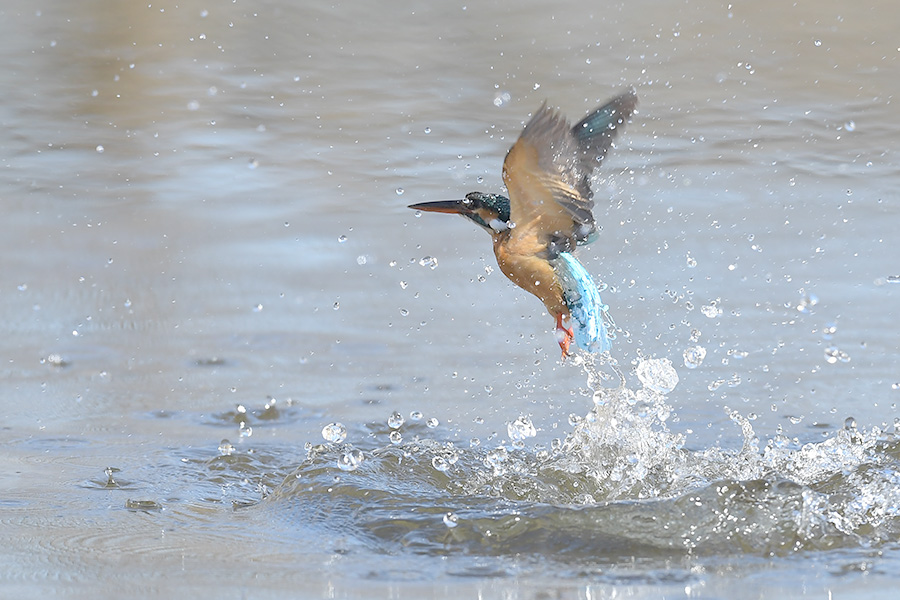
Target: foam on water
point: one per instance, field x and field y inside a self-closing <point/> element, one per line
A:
<point x="620" y="483"/>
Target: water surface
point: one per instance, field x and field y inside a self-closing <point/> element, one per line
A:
<point x="207" y="258"/>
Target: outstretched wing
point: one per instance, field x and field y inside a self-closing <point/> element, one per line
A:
<point x="548" y="172"/>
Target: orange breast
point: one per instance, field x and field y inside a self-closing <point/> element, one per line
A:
<point x="532" y="274"/>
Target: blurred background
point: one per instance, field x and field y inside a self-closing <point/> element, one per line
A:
<point x="204" y="218"/>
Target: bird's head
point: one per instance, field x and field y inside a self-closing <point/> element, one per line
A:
<point x="488" y="211"/>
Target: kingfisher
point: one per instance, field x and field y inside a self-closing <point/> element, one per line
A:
<point x="536" y="229"/>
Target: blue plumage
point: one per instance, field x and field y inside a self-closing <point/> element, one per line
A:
<point x="587" y="310"/>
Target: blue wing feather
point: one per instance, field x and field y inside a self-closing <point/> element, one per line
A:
<point x="589" y="316"/>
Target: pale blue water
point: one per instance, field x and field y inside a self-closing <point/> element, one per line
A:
<point x="206" y="258"/>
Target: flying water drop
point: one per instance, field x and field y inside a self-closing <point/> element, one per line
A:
<point x="693" y="356"/>
<point x="520" y="429"/>
<point x="711" y="310"/>
<point x="396" y="420"/>
<point x="429" y="261"/>
<point x="334" y="432"/>
<point x="657" y="374"/>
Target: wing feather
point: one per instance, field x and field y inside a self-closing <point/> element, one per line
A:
<point x="548" y="172"/>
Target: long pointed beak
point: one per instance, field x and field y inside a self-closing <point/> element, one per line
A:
<point x="454" y="207"/>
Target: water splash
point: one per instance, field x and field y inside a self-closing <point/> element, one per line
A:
<point x="621" y="481"/>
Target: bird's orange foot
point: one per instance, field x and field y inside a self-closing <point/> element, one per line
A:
<point x="564" y="335"/>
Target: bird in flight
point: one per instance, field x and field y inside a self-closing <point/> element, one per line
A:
<point x="547" y="173"/>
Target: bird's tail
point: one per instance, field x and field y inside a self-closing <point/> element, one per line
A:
<point x="590" y="319"/>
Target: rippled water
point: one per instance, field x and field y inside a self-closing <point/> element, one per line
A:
<point x="235" y="363"/>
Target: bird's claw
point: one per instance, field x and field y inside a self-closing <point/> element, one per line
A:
<point x="564" y="335"/>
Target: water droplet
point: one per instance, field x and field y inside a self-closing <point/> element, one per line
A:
<point x="693" y="356"/>
<point x="440" y="463"/>
<point x="849" y="423"/>
<point x="193" y="105"/>
<point x="350" y="461"/>
<point x="834" y="354"/>
<point x="225" y="448"/>
<point x="520" y="429"/>
<point x="432" y="423"/>
<point x="396" y="420"/>
<point x="361" y="259"/>
<point x="56" y="360"/>
<point x="100" y="149"/>
<point x="245" y="430"/>
<point x="404" y="312"/>
<point x="403" y="285"/>
<point x="710" y="310"/>
<point x="342" y="238"/>
<point x="657" y="374"/>
<point x="829" y="330"/>
<point x="396" y="437"/>
<point x="415" y="416"/>
<point x="334" y="432"/>
<point x="142" y="505"/>
<point x="691" y="261"/>
<point x="427" y="130"/>
<point x="109" y="471"/>
<point x="451" y="520"/>
<point x="428" y="261"/>
<point x="817" y="43"/>
<point x="850" y="126"/>
<point x="400" y="191"/>
<point x="479" y="179"/>
<point x="336" y="305"/>
<point x="252" y="163"/>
